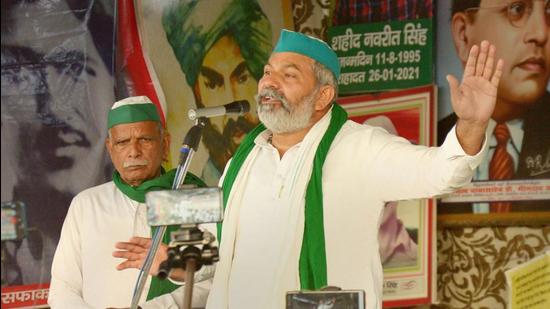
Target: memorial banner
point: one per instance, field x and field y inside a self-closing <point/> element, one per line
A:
<point x="383" y="56"/>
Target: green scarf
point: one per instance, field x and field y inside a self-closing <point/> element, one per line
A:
<point x="163" y="182"/>
<point x="313" y="264"/>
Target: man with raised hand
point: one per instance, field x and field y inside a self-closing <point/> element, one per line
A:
<point x="305" y="190"/>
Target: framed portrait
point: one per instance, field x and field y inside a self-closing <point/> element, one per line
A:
<point x="204" y="54"/>
<point x="511" y="185"/>
<point x="406" y="236"/>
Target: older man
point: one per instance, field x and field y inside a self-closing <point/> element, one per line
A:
<point x="305" y="190"/>
<point x="519" y="128"/>
<point x="84" y="273"/>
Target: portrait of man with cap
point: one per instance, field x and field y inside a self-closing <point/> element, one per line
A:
<point x="221" y="48"/>
<point x="84" y="270"/>
<point x="305" y="190"/>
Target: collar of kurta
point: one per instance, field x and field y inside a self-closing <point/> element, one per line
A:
<point x="313" y="266"/>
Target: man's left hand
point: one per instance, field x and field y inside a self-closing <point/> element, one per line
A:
<point x="474" y="100"/>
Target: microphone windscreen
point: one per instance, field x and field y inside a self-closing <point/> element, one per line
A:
<point x="238" y="107"/>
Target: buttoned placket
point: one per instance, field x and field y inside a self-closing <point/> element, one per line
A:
<point x="140" y="220"/>
<point x="282" y="168"/>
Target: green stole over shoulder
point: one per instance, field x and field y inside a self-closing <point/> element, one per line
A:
<point x="163" y="182"/>
<point x="313" y="264"/>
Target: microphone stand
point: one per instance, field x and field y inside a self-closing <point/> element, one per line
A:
<point x="188" y="149"/>
<point x="182" y="253"/>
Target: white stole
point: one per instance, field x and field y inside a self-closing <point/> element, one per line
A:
<point x="294" y="193"/>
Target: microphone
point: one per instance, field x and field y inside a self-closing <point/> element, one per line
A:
<point x="234" y="108"/>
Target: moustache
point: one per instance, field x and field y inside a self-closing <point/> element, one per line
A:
<point x="273" y="94"/>
<point x="135" y="162"/>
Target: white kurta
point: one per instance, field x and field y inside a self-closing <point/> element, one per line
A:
<point x="84" y="271"/>
<point x="365" y="168"/>
<point x="264" y="214"/>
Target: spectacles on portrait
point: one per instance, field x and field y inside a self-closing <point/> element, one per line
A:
<point x="518" y="11"/>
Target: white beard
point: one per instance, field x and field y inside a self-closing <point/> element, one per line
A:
<point x="287" y="117"/>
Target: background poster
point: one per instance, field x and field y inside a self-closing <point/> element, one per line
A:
<point x="209" y="53"/>
<point x="383" y="56"/>
<point x="407" y="231"/>
<point x="388" y="45"/>
<point x="57" y="86"/>
<point x="523" y="101"/>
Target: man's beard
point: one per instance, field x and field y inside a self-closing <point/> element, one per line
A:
<point x="222" y="146"/>
<point x="289" y="117"/>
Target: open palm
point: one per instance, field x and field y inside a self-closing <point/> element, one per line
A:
<point x="135" y="252"/>
<point x="474" y="99"/>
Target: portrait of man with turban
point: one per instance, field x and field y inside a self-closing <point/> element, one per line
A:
<point x="221" y="49"/>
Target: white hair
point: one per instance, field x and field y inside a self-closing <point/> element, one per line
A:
<point x="324" y="77"/>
